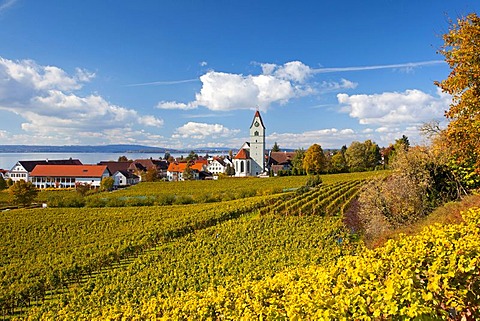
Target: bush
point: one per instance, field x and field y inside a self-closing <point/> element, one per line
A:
<point x="96" y="202"/>
<point x="313" y="181"/>
<point x="70" y="200"/>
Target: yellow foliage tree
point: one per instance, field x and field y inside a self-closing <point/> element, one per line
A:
<point x="462" y="53"/>
<point x="314" y="161"/>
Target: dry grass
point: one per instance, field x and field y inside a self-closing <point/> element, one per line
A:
<point x="446" y="214"/>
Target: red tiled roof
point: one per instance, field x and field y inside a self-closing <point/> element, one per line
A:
<point x="242" y="154"/>
<point x="180" y="167"/>
<point x="69" y="170"/>
<point x="281" y="157"/>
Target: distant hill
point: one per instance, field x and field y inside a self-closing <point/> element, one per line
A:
<point x="84" y="149"/>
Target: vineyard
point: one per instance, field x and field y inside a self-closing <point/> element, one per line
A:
<point x="434" y="275"/>
<point x="67" y="261"/>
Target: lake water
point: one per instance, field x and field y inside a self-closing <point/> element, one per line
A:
<point x="8" y="160"/>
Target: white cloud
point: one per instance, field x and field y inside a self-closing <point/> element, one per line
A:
<point x="44" y="96"/>
<point x="175" y="105"/>
<point x="277" y="84"/>
<point x="6" y="4"/>
<point x="202" y="130"/>
<point x="409" y="107"/>
<point x="295" y="71"/>
<point x="327" y="138"/>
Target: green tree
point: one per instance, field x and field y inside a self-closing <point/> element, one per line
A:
<point x="192" y="156"/>
<point x="362" y="156"/>
<point x="188" y="173"/>
<point x="107" y="184"/>
<point x="23" y="193"/>
<point x="297" y="161"/>
<point x="461" y="48"/>
<point x="275" y="147"/>
<point x="372" y="155"/>
<point x="230" y="170"/>
<point x="9" y="182"/>
<point x="314" y="161"/>
<point x="3" y="183"/>
<point x="338" y="164"/>
<point x="123" y="159"/>
<point x="166" y="156"/>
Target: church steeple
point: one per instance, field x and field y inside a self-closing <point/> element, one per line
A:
<point x="257" y="144"/>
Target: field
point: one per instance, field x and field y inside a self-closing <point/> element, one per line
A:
<point x="217" y="260"/>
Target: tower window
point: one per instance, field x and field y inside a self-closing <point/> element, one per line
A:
<point x="256" y="133"/>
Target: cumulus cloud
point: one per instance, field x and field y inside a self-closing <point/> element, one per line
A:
<point x="327" y="138"/>
<point x="202" y="130"/>
<point x="408" y="107"/>
<point x="45" y="97"/>
<point x="277" y="84"/>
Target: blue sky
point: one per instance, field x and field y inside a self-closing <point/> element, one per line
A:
<point x="186" y="74"/>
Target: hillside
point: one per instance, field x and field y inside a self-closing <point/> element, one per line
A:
<point x="255" y="256"/>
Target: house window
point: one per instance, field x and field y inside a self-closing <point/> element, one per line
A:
<point x="241" y="167"/>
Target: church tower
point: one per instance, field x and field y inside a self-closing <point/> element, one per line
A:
<point x="257" y="145"/>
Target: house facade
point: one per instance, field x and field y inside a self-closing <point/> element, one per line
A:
<point x="218" y="165"/>
<point x="278" y="161"/>
<point x="22" y="169"/>
<point x="176" y="170"/>
<point x="123" y="178"/>
<point x="68" y="176"/>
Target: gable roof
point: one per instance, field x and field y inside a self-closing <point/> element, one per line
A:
<point x="242" y="154"/>
<point x="127" y="174"/>
<point x="277" y="158"/>
<point x="69" y="170"/>
<point x="114" y="167"/>
<point x="30" y="165"/>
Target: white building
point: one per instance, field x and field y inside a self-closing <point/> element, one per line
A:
<point x="219" y="165"/>
<point x="250" y="159"/>
<point x="125" y="178"/>
<point x="68" y="176"/>
<point x="22" y="169"/>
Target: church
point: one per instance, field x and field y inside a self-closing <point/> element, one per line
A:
<point x="250" y="159"/>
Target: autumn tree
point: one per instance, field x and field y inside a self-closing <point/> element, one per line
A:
<point x="362" y="156"/>
<point x="107" y="183"/>
<point x="462" y="53"/>
<point x="314" y="160"/>
<point x="23" y="193"/>
<point x="338" y="164"/>
<point x="151" y="175"/>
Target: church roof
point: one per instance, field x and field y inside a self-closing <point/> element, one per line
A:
<point x="242" y="154"/>
<point x="257" y="114"/>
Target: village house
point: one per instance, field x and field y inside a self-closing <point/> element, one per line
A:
<point x="141" y="166"/>
<point x="123" y="178"/>
<point x="114" y="166"/>
<point x="280" y="161"/>
<point x="22" y="169"/>
<point x="68" y="176"/>
<point x="218" y="165"/>
<point x="175" y="171"/>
